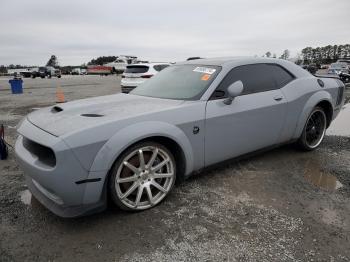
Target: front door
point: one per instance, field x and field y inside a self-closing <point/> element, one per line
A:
<point x="252" y="121"/>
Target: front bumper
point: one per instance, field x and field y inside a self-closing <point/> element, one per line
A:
<point x="59" y="209"/>
<point x="54" y="185"/>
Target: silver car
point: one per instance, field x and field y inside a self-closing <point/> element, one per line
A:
<point x="133" y="147"/>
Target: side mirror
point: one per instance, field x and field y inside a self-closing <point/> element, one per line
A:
<point x="235" y="89"/>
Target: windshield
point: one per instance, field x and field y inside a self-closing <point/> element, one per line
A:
<point x="185" y="82"/>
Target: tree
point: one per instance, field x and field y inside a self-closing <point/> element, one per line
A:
<point x="307" y="55"/>
<point x="102" y="60"/>
<point x="285" y="55"/>
<point x="268" y="54"/>
<point x="299" y="60"/>
<point x="52" y="61"/>
<point x="3" y="69"/>
<point x="326" y="54"/>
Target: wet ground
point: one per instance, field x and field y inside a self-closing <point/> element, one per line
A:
<point x="281" y="205"/>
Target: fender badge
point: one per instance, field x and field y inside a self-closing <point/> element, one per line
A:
<point x="195" y="130"/>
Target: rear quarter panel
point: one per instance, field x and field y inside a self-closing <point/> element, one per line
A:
<point x="303" y="94"/>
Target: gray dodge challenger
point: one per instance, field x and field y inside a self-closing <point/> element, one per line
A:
<point x="131" y="148"/>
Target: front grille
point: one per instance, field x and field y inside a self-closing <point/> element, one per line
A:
<point x="44" y="154"/>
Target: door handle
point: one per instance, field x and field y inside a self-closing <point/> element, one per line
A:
<point x="278" y="98"/>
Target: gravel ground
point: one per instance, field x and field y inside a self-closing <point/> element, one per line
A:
<point x="281" y="205"/>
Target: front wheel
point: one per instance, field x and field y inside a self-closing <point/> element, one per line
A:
<point x="314" y="130"/>
<point x="142" y="176"/>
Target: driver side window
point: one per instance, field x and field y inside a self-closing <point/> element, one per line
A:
<point x="256" y="78"/>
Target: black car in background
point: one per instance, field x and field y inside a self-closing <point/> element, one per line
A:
<point x="312" y="68"/>
<point x="46" y="71"/>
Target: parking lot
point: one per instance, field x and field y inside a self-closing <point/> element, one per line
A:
<point x="281" y="205"/>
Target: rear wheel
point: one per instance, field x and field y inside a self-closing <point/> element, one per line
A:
<point x="142" y="177"/>
<point x="314" y="130"/>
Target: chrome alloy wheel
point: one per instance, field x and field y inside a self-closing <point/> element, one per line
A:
<point x="144" y="177"/>
<point x="315" y="128"/>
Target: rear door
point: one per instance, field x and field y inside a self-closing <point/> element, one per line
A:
<point x="253" y="121"/>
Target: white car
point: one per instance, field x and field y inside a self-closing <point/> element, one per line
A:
<point x="136" y="74"/>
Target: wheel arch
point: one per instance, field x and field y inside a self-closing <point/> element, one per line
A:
<point x="160" y="132"/>
<point x="164" y="133"/>
<point x="322" y="99"/>
<point x="328" y="109"/>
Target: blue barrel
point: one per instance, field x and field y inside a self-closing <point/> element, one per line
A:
<point x="16" y="86"/>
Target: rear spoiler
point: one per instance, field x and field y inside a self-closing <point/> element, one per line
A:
<point x="327" y="76"/>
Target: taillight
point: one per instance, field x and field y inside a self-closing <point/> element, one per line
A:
<point x="146" y="76"/>
<point x="340" y="93"/>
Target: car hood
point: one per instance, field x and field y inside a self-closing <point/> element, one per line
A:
<point x="72" y="116"/>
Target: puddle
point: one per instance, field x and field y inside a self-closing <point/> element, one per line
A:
<point x="26" y="197"/>
<point x="320" y="179"/>
<point x="341" y="125"/>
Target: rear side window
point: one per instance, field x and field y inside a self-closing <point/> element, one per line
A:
<point x="256" y="78"/>
<point x="281" y="76"/>
<point x="159" y="67"/>
<point x="136" y="69"/>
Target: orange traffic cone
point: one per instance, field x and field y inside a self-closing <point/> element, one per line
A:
<point x="59" y="95"/>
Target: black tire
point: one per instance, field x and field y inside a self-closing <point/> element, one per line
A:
<point x="314" y="130"/>
<point x="115" y="188"/>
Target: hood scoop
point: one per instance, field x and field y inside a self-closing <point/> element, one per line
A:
<point x="56" y="109"/>
<point x="92" y="115"/>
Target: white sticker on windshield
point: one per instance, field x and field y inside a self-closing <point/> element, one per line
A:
<point x="204" y="70"/>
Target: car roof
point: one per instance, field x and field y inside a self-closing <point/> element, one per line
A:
<point x="338" y="64"/>
<point x="230" y="62"/>
<point x="149" y="64"/>
<point x="220" y="61"/>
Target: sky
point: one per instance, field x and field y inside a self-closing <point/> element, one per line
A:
<point x="162" y="30"/>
